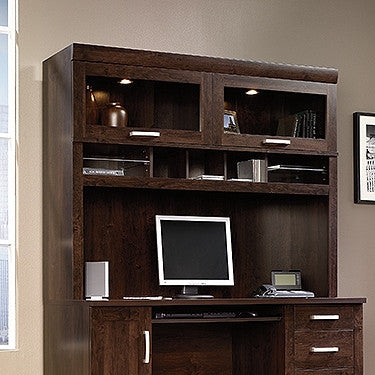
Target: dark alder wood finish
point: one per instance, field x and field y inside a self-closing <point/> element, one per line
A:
<point x="287" y="222"/>
<point x="67" y="338"/>
<point x="127" y="56"/>
<point x="117" y="341"/>
<point x="344" y="371"/>
<point x="337" y="328"/>
<point x="58" y="178"/>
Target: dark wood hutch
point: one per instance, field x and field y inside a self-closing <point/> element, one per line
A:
<point x="175" y="135"/>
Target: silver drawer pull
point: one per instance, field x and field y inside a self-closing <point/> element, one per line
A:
<point x="146" y="359"/>
<point x="138" y="133"/>
<point x="330" y="349"/>
<point x="276" y="142"/>
<point x="325" y="317"/>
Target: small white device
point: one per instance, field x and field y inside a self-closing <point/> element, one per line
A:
<point x="97" y="280"/>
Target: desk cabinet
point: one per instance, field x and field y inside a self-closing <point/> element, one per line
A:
<point x="120" y="341"/>
<point x="328" y="337"/>
<point x="131" y="340"/>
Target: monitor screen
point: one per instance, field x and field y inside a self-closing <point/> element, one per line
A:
<point x="194" y="250"/>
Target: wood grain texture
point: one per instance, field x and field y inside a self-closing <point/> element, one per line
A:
<point x="288" y="335"/>
<point x="270" y="305"/>
<point x="177" y="61"/>
<point x="358" y="339"/>
<point x="304" y="322"/>
<point x="119" y="227"/>
<point x="192" y="350"/>
<point x="342" y="371"/>
<point x="163" y="183"/>
<point x="259" y="115"/>
<point x="305" y="341"/>
<point x="57" y="178"/>
<point x="332" y="229"/>
<point x="176" y="103"/>
<point x="66" y="339"/>
<point x="276" y="225"/>
<point x="117" y="341"/>
<point x="78" y="251"/>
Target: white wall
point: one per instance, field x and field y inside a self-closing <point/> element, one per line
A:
<point x="338" y="33"/>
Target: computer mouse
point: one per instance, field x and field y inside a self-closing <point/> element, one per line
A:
<point x="247" y="314"/>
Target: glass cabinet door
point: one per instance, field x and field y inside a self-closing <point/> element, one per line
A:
<point x="129" y="103"/>
<point x="273" y="113"/>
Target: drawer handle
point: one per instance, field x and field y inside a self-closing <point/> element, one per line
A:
<point x="276" y="142"/>
<point x="137" y="133"/>
<point x="325" y="317"/>
<point x="330" y="349"/>
<point x="146" y="359"/>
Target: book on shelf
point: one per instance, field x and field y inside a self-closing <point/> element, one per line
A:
<point x="208" y="177"/>
<point x="295" y="168"/>
<point x="102" y="171"/>
<point x="241" y="179"/>
<point x="301" y="124"/>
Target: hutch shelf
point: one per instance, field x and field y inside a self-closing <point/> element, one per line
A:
<point x="274" y="174"/>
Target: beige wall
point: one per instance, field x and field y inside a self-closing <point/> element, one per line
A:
<point x="339" y="33"/>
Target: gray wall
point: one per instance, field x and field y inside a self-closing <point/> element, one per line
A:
<point x="338" y="33"/>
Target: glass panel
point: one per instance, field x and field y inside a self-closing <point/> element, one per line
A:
<point x="149" y="104"/>
<point x="4" y="295"/>
<point x="274" y="113"/>
<point x="3" y="189"/>
<point x="3" y="83"/>
<point x="3" y="12"/>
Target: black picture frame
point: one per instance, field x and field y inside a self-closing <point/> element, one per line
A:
<point x="364" y="157"/>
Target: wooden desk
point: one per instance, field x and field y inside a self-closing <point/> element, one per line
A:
<point x="289" y="336"/>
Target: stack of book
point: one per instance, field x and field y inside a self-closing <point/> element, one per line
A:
<point x="301" y="124"/>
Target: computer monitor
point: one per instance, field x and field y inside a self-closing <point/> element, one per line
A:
<point x="194" y="251"/>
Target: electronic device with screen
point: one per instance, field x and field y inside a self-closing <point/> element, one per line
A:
<point x="194" y="251"/>
<point x="286" y="280"/>
<point x="288" y="284"/>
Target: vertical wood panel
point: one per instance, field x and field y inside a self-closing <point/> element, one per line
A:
<point x="117" y="341"/>
<point x="192" y="349"/>
<point x="332" y="234"/>
<point x="57" y="177"/>
<point x="66" y="339"/>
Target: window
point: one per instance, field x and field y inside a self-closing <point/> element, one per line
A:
<point x="7" y="172"/>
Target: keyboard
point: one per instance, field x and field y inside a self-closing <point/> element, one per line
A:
<point x="205" y="315"/>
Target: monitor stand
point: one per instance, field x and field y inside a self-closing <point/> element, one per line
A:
<point x="191" y="292"/>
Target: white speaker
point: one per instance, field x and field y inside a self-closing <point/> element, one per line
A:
<point x="97" y="280"/>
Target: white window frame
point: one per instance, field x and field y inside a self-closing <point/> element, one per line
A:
<point x="11" y="31"/>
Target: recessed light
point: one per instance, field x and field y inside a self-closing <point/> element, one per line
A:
<point x="126" y="81"/>
<point x="252" y="92"/>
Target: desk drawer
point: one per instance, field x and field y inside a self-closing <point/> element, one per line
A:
<point x="323" y="349"/>
<point x="323" y="317"/>
<point x="348" y="371"/>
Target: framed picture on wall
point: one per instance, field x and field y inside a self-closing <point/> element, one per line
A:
<point x="364" y="157"/>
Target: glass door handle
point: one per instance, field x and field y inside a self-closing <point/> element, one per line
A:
<point x="276" y="142"/>
<point x="138" y="133"/>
